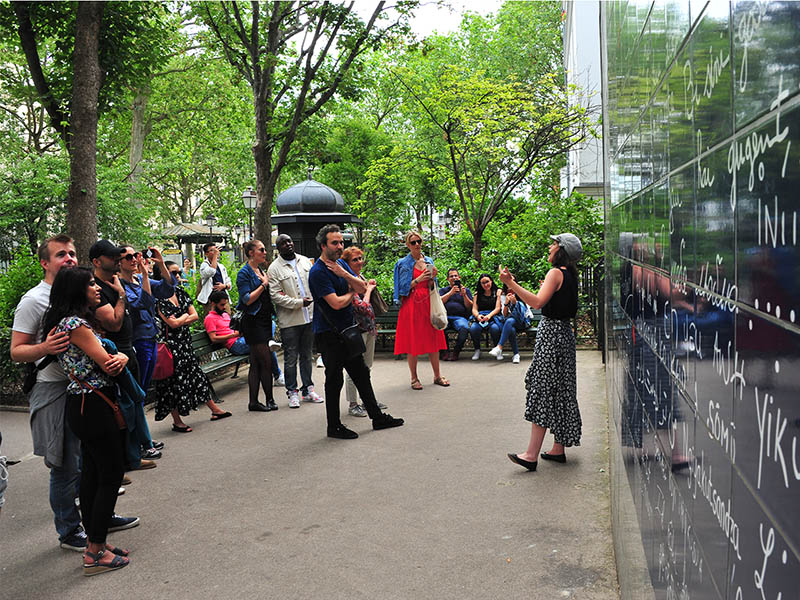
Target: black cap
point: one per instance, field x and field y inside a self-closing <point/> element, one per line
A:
<point x="104" y="248"/>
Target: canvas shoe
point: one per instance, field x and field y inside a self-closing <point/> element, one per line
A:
<point x="280" y="381"/>
<point x="497" y="352"/>
<point x="312" y="396"/>
<point x="118" y="523"/>
<point x="151" y="454"/>
<point x="476" y="355"/>
<point x="77" y="541"/>
<point x="515" y="359"/>
<point x="274" y="346"/>
<point x="357" y="411"/>
<point x="294" y="400"/>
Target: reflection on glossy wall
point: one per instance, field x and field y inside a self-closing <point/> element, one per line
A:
<point x="702" y="147"/>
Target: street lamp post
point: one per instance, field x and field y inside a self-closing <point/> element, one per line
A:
<point x="250" y="202"/>
<point x="211" y="220"/>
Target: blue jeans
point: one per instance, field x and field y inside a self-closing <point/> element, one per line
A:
<point x="64" y="486"/>
<point x="140" y="436"/>
<point x="146" y="357"/>
<point x="297" y="342"/>
<point x="241" y="348"/>
<point x="510" y="328"/>
<point x="461" y="326"/>
<point x="475" y="330"/>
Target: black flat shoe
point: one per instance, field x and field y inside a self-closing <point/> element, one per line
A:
<point x="342" y="433"/>
<point x="559" y="458"/>
<point x="257" y="407"/>
<point x="531" y="466"/>
<point x="271" y="405"/>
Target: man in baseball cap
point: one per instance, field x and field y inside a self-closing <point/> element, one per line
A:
<point x="105" y="248"/>
<point x="571" y="245"/>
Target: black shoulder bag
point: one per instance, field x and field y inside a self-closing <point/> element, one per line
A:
<point x="31" y="371"/>
<point x="350" y="336"/>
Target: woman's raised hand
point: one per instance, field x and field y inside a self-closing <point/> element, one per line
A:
<point x="505" y="275"/>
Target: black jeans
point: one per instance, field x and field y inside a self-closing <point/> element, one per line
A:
<point x="333" y="353"/>
<point x="103" y="457"/>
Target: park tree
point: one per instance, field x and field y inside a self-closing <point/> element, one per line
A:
<point x="494" y="123"/>
<point x="296" y="56"/>
<point x="81" y="58"/>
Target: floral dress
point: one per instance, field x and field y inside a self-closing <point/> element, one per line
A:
<point x="189" y="386"/>
<point x="77" y="363"/>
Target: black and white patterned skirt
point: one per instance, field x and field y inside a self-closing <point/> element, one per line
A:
<point x="552" y="400"/>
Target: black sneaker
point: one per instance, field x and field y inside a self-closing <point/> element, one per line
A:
<point x="386" y="421"/>
<point x="118" y="523"/>
<point x="151" y="453"/>
<point x="341" y="432"/>
<point x="158" y="445"/>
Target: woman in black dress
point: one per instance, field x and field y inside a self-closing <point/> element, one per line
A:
<point x="552" y="401"/>
<point x="256" y="306"/>
<point x="188" y="387"/>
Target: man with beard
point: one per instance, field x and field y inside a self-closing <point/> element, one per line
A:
<point x="288" y="288"/>
<point x="332" y="288"/>
<point x="114" y="317"/>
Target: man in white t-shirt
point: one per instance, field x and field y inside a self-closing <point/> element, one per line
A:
<point x="52" y="438"/>
<point x="291" y="296"/>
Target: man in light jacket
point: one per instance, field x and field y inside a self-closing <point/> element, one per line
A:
<point x="291" y="296"/>
<point x="213" y="275"/>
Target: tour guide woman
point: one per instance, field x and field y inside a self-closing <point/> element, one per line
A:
<point x="91" y="394"/>
<point x="552" y="401"/>
<point x="413" y="276"/>
<point x="256" y="307"/>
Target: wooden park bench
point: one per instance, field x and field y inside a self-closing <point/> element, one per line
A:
<point x="387" y="328"/>
<point x="215" y="357"/>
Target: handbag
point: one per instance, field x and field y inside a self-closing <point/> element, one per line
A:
<point x="350" y="336"/>
<point x="438" y="311"/>
<point x="379" y="305"/>
<point x="165" y="363"/>
<point x="120" y="420"/>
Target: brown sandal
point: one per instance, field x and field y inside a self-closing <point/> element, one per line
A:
<point x="415" y="384"/>
<point x="441" y="381"/>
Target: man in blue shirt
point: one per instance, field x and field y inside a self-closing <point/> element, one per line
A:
<point x="458" y="304"/>
<point x="332" y="288"/>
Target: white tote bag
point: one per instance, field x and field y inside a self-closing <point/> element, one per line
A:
<point x="438" y="312"/>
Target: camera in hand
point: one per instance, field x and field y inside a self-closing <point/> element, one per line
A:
<point x="147" y="253"/>
<point x="457" y="283"/>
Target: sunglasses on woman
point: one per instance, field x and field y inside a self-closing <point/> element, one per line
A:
<point x="415" y="242"/>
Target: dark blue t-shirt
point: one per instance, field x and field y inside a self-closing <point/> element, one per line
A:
<point x="455" y="306"/>
<point x="322" y="282"/>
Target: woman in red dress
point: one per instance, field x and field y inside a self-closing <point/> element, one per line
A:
<point x="414" y="282"/>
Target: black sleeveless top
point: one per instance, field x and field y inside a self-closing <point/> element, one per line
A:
<point x="485" y="302"/>
<point x="564" y="303"/>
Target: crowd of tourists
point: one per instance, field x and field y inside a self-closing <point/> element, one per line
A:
<point x="98" y="339"/>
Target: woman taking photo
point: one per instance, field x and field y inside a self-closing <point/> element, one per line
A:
<point x="414" y="281"/>
<point x="256" y="326"/>
<point x="552" y="401"/>
<point x="485" y="311"/>
<point x="353" y="257"/>
<point x="91" y="404"/>
<point x="188" y="386"/>
<point x="515" y="319"/>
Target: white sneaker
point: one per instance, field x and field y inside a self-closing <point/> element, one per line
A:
<point x="476" y="355"/>
<point x="320" y="364"/>
<point x="274" y="346"/>
<point x="497" y="352"/>
<point x="515" y="359"/>
<point x="280" y="381"/>
<point x="313" y="396"/>
<point x="294" y="400"/>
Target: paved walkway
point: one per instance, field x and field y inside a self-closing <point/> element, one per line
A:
<point x="263" y="505"/>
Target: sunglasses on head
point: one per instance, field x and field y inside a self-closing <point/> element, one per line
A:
<point x="415" y="242"/>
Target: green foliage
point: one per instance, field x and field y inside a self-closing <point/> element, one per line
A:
<point x="23" y="273"/>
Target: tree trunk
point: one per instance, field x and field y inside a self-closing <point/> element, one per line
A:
<point x="477" y="246"/>
<point x="82" y="197"/>
<point x="139" y="131"/>
<point x="266" y="180"/>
